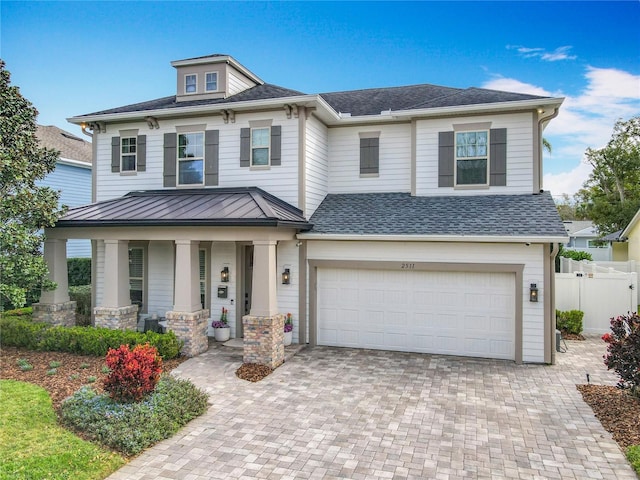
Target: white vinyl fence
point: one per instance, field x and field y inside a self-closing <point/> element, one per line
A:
<point x="600" y="292"/>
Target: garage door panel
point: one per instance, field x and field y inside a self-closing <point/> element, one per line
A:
<point x="456" y="313"/>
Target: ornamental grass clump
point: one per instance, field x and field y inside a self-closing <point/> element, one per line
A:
<point x="133" y="373"/>
<point x="623" y="351"/>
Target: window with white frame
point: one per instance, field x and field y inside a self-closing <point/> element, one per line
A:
<point x="597" y="244"/>
<point x="211" y="82"/>
<point x="203" y="277"/>
<point x="190" y="83"/>
<point x="128" y="154"/>
<point x="136" y="275"/>
<point x="260" y="140"/>
<point x="472" y="158"/>
<point x="191" y="158"/>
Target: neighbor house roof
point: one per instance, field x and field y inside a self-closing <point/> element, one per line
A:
<point x="574" y="227"/>
<point x="400" y="214"/>
<point x="70" y="146"/>
<point x="249" y="206"/>
<point x="613" y="237"/>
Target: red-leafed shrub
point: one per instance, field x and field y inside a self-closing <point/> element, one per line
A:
<point x="623" y="351"/>
<point x="134" y="373"/>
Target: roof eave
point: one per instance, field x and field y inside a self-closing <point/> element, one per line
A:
<point x="435" y="238"/>
<point x="267" y="222"/>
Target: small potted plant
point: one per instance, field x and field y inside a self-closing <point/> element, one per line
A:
<point x="288" y="330"/>
<point x="221" y="329"/>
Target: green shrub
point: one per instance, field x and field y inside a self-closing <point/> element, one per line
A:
<point x="633" y="455"/>
<point x="132" y="427"/>
<point x="81" y="294"/>
<point x="20" y="332"/>
<point x="18" y="312"/>
<point x="569" y="321"/>
<point x="576" y="255"/>
<point x="79" y="270"/>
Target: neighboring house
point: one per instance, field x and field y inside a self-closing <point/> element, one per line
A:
<point x="631" y="234"/>
<point x="406" y="218"/>
<point x="584" y="237"/>
<point x="71" y="177"/>
<point x="619" y="247"/>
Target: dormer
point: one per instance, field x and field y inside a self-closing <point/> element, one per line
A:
<point x="213" y="76"/>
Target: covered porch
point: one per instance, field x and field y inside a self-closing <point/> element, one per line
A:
<point x="185" y="240"/>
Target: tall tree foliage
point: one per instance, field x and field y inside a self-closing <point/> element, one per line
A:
<point x="25" y="209"/>
<point x="611" y="195"/>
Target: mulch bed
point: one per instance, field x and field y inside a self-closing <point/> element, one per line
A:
<point x="74" y="371"/>
<point x="571" y="336"/>
<point x="253" y="372"/>
<point x="617" y="410"/>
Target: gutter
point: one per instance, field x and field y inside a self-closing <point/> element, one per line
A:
<point x="434" y="238"/>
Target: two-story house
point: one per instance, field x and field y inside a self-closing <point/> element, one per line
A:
<point x="406" y="218"/>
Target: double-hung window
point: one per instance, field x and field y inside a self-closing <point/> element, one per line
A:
<point x="211" y="82"/>
<point x="260" y="141"/>
<point x="128" y="154"/>
<point x="191" y="158"/>
<point x="472" y="158"/>
<point x="190" y="83"/>
<point x="136" y="275"/>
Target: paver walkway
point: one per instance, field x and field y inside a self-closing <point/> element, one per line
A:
<point x="362" y="414"/>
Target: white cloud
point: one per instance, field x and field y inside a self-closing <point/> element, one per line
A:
<point x="560" y="53"/>
<point x="585" y="120"/>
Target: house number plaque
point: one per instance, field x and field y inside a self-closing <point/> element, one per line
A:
<point x="408" y="266"/>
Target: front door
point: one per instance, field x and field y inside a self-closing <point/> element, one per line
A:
<point x="246" y="281"/>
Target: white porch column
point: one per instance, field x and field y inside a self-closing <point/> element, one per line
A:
<point x="55" y="256"/>
<point x="187" y="281"/>
<point x="264" y="300"/>
<point x="116" y="274"/>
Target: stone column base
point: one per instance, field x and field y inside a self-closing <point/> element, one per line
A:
<point x="191" y="328"/>
<point x="57" y="314"/>
<point x="264" y="340"/>
<point x="118" y="318"/>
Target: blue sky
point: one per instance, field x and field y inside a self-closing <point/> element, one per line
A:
<point x="71" y="58"/>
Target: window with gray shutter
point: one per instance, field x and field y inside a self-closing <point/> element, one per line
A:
<point x="170" y="156"/>
<point x="261" y="146"/>
<point x="498" y="157"/>
<point x="115" y="154"/>
<point x="142" y="153"/>
<point x="211" y="156"/>
<point x="369" y="155"/>
<point x="446" y="159"/>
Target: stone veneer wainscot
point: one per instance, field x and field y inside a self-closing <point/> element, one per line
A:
<point x="191" y="328"/>
<point x="264" y="340"/>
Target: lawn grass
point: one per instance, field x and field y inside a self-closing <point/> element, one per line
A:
<point x="633" y="455"/>
<point x="34" y="446"/>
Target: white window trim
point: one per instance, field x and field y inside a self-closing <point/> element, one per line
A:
<point x="456" y="158"/>
<point x="178" y="160"/>
<point x="268" y="147"/>
<point x="185" y="83"/>
<point x="205" y="82"/>
<point x="143" y="248"/>
<point x="122" y="155"/>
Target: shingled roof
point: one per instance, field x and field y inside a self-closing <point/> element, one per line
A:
<point x="401" y="214"/>
<point x="248" y="206"/>
<point x="69" y="146"/>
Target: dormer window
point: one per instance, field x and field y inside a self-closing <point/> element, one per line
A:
<point x="211" y="82"/>
<point x="190" y="83"/>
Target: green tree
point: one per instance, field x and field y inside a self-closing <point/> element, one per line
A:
<point x="611" y="195"/>
<point x="25" y="209"/>
<point x="567" y="208"/>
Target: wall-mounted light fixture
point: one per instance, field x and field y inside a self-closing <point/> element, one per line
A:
<point x="533" y="292"/>
<point x="224" y="274"/>
<point x="286" y="277"/>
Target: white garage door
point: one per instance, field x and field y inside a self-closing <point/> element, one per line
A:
<point x="451" y="313"/>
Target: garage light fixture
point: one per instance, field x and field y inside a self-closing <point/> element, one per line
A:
<point x="286" y="277"/>
<point x="224" y="275"/>
<point x="533" y="292"/>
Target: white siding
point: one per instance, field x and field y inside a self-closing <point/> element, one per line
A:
<point x="531" y="256"/>
<point x="223" y="254"/>
<point x="288" y="294"/>
<point x="281" y="181"/>
<point x="236" y="84"/>
<point x="160" y="278"/>
<point x="395" y="160"/>
<point x="519" y="154"/>
<point x="99" y="280"/>
<point x="317" y="168"/>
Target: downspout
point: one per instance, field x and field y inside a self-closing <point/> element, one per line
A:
<point x="555" y="247"/>
<point x="555" y="113"/>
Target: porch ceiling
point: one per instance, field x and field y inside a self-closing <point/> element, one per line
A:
<point x="248" y="206"/>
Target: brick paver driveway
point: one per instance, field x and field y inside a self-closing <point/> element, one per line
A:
<point x="362" y="414"/>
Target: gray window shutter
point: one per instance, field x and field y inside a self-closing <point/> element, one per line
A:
<point x="141" y="147"/>
<point x="446" y="159"/>
<point x="369" y="155"/>
<point x="276" y="142"/>
<point x="245" y="147"/>
<point x="170" y="159"/>
<point x="498" y="157"/>
<point x="115" y="154"/>
<point x="211" y="156"/>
